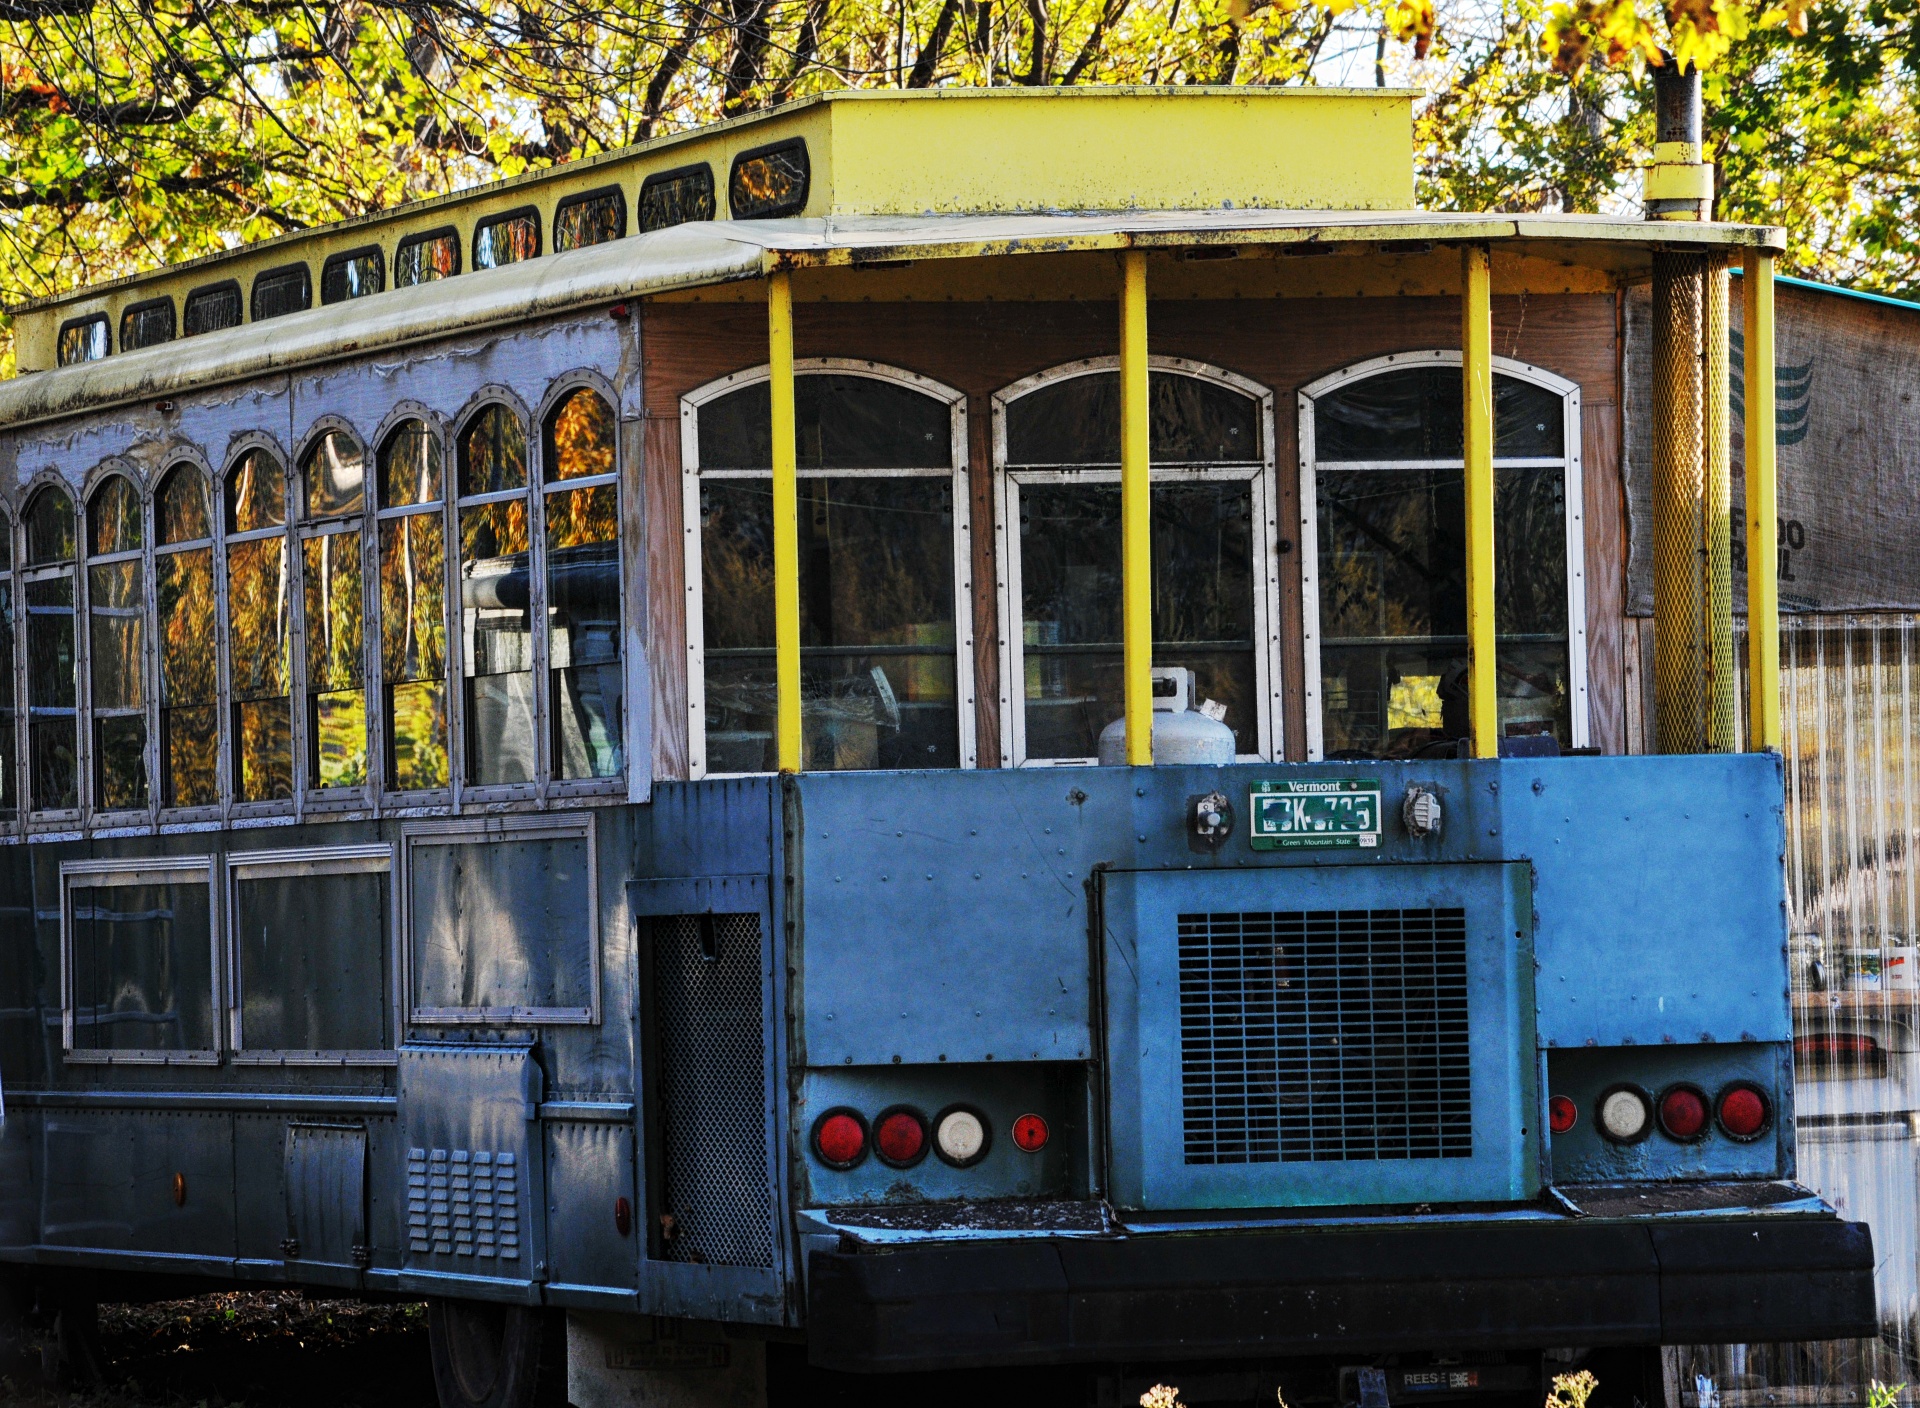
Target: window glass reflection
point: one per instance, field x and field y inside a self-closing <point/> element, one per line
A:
<point x="9" y="786"/>
<point x="336" y="476"/>
<point x="183" y="585"/>
<point x="1391" y="572"/>
<point x="116" y="646"/>
<point x="1077" y="421"/>
<point x="142" y="967"/>
<point x="496" y="616"/>
<point x="876" y="623"/>
<point x="259" y="633"/>
<point x="1063" y="446"/>
<point x="334" y="480"/>
<point x="413" y="606"/>
<point x="53" y="755"/>
<point x="1203" y="590"/>
<point x="583" y="589"/>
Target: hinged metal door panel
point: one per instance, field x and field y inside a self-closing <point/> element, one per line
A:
<point x="1324" y="1035"/>
<point x="326" y="1167"/>
<point x="714" y="1247"/>
<point x="473" y="1177"/>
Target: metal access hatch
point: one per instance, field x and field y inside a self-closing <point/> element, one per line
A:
<point x="1327" y="1035"/>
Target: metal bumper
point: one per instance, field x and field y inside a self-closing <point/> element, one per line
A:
<point x="1501" y="1285"/>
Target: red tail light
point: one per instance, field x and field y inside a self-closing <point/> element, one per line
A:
<point x="900" y="1137"/>
<point x="1030" y="1134"/>
<point x="1744" y="1112"/>
<point x="1683" y="1113"/>
<point x="1562" y="1114"/>
<point x="840" y="1138"/>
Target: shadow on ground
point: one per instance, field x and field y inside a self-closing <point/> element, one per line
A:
<point x="261" y="1349"/>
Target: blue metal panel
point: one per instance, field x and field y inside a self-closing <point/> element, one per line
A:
<point x="944" y="916"/>
<point x="1661" y="891"/>
<point x="1146" y="1098"/>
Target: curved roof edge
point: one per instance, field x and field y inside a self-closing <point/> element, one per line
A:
<point x="701" y="254"/>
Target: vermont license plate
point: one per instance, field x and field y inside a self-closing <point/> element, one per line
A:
<point x="1290" y="815"/>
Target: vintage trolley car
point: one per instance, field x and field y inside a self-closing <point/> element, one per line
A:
<point x="564" y="774"/>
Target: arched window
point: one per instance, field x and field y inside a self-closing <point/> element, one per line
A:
<point x="259" y="633"/>
<point x="116" y="648"/>
<point x="53" y="754"/>
<point x="9" y="784"/>
<point x="413" y="608"/>
<point x="496" y="611"/>
<point x="1385" y="559"/>
<point x="582" y="520"/>
<point x="189" y="669"/>
<point x="885" y="649"/>
<point x="1213" y="587"/>
<point x="333" y="481"/>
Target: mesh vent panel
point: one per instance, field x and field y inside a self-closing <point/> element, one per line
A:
<point x="712" y="1089"/>
<point x="1324" y="1035"/>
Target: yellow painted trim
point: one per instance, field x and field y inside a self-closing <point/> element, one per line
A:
<point x="1763" y="587"/>
<point x="1476" y="344"/>
<point x="786" y="523"/>
<point x="1136" y="511"/>
<point x="1688" y="182"/>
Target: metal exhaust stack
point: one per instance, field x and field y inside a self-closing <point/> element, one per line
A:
<point x="1694" y="675"/>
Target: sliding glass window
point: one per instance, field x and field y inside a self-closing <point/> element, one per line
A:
<point x="9" y="749"/>
<point x="885" y="650"/>
<point x="1213" y="583"/>
<point x="189" y="668"/>
<point x="581" y="510"/>
<point x="333" y="500"/>
<point x="259" y="628"/>
<point x="413" y="608"/>
<point x="53" y="750"/>
<point x="116" y="644"/>
<point x="1386" y="560"/>
<point x="496" y="609"/>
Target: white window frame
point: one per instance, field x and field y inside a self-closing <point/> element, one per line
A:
<point x="374" y="859"/>
<point x="506" y="826"/>
<point x="1265" y="565"/>
<point x="1576" y="533"/>
<point x="127" y="872"/>
<point x="691" y="474"/>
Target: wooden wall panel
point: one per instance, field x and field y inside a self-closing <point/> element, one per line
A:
<point x="666" y="595"/>
<point x="978" y="348"/>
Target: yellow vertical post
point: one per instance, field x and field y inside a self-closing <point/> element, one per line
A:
<point x="1476" y="355"/>
<point x="1763" y="562"/>
<point x="1716" y="460"/>
<point x="786" y="524"/>
<point x="1136" y="511"/>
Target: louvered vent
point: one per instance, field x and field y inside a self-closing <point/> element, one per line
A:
<point x="1324" y="1035"/>
<point x="712" y="1092"/>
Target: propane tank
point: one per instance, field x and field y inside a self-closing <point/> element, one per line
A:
<point x="1181" y="733"/>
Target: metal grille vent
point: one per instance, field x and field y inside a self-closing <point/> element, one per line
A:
<point x="1324" y="1035"/>
<point x="716" y="1194"/>
<point x="463" y="1202"/>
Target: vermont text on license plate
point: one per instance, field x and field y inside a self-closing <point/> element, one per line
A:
<point x="1286" y="815"/>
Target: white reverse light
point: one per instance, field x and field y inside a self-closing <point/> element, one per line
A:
<point x="960" y="1136"/>
<point x="1624" y="1115"/>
